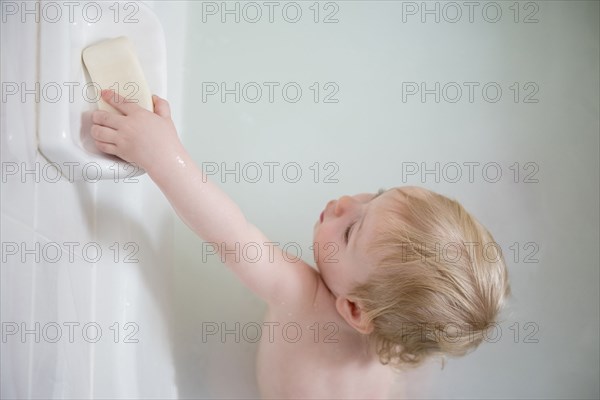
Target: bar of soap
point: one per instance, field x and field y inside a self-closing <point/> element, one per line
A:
<point x="113" y="64"/>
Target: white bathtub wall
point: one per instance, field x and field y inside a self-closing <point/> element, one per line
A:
<point x="17" y="286"/>
<point x="370" y="134"/>
<point x="111" y="290"/>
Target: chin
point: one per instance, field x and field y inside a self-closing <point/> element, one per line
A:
<point x="316" y="260"/>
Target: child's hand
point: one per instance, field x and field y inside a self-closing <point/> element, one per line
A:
<point x="139" y="136"/>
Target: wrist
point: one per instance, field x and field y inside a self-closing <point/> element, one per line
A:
<point x="166" y="161"/>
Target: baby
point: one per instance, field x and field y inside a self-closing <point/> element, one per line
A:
<point x="402" y="275"/>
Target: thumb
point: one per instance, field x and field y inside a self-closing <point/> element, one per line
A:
<point x="161" y="107"/>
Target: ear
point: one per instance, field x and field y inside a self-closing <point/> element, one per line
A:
<point x="353" y="314"/>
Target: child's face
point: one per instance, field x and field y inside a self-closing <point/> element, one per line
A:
<point x="341" y="236"/>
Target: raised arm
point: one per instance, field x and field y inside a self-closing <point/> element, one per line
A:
<point x="150" y="141"/>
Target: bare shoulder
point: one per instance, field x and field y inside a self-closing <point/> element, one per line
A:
<point x="301" y="284"/>
<point x="307" y="297"/>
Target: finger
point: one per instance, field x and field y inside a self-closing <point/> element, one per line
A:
<point x="161" y="106"/>
<point x="108" y="148"/>
<point x="104" y="134"/>
<point x="119" y="102"/>
<point x="105" y="118"/>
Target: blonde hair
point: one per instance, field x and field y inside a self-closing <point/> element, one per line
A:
<point x="439" y="283"/>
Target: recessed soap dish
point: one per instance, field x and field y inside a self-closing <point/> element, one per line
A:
<point x="64" y="121"/>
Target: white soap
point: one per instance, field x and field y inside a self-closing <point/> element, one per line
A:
<point x="113" y="64"/>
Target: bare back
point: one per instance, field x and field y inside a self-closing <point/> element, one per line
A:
<point x="314" y="354"/>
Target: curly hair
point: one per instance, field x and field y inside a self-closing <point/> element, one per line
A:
<point x="439" y="283"/>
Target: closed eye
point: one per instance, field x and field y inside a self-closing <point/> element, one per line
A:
<point x="349" y="228"/>
<point x="347" y="233"/>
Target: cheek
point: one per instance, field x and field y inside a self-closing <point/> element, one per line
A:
<point x="326" y="254"/>
<point x="325" y="240"/>
<point x="328" y="260"/>
<point x="325" y="247"/>
<point x="332" y="271"/>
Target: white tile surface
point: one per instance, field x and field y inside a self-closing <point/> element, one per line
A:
<point x="77" y="288"/>
<point x="17" y="296"/>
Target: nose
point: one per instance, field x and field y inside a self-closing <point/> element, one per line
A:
<point x="344" y="204"/>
